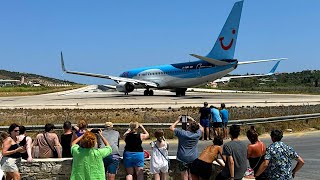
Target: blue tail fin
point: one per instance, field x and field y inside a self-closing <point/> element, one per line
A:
<point x="225" y="45"/>
<point x="274" y="68"/>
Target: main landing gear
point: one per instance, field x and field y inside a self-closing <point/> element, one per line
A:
<point x="148" y="92"/>
<point x="181" y="92"/>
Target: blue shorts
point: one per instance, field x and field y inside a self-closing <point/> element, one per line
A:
<point x="133" y="159"/>
<point x="204" y="122"/>
<point x="111" y="164"/>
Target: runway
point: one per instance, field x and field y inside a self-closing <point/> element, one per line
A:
<point x="91" y="98"/>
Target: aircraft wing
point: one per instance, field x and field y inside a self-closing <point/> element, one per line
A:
<point x="259" y="61"/>
<point x="115" y="78"/>
<point x="227" y="79"/>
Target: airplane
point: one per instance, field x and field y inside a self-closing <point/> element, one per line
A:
<point x="228" y="78"/>
<point x="179" y="76"/>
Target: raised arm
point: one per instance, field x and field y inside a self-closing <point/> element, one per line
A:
<point x="173" y="125"/>
<point x="105" y="142"/>
<point x="76" y="140"/>
<point x="145" y="134"/>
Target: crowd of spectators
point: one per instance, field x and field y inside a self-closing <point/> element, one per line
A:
<point x="96" y="155"/>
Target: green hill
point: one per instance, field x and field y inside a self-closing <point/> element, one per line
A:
<point x="4" y="74"/>
<point x="307" y="81"/>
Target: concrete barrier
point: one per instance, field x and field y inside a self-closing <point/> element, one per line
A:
<point x="60" y="169"/>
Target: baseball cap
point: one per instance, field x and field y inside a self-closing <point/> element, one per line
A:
<point x="109" y="124"/>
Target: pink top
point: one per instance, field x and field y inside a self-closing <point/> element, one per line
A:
<point x="44" y="149"/>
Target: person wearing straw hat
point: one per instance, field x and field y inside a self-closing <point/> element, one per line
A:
<point x="111" y="162"/>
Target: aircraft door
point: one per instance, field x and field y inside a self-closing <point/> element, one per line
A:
<point x="198" y="70"/>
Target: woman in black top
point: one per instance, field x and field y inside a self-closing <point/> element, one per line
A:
<point x="26" y="142"/>
<point x="66" y="139"/>
<point x="133" y="155"/>
<point x="11" y="153"/>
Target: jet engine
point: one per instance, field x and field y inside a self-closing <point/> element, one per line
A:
<point x="125" y="87"/>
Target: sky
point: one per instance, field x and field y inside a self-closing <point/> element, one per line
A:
<point x="110" y="37"/>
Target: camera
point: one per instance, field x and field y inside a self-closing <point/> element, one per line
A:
<point x="95" y="130"/>
<point x="184" y="120"/>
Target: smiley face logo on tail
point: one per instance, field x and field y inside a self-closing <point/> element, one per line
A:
<point x="230" y="44"/>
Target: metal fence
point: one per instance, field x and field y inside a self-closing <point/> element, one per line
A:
<point x="166" y="125"/>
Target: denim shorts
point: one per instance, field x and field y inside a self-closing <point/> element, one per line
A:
<point x="133" y="159"/>
<point x="111" y="164"/>
<point x="204" y="122"/>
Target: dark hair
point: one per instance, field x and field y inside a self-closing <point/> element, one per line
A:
<point x="252" y="135"/>
<point x="223" y="105"/>
<point x="22" y="130"/>
<point x="218" y="140"/>
<point x="234" y="131"/>
<point x="276" y="135"/>
<point x="48" y="127"/>
<point x="159" y="135"/>
<point x="67" y="125"/>
<point x="205" y="104"/>
<point x="194" y="126"/>
<point x="12" y="127"/>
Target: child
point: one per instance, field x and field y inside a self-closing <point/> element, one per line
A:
<point x="201" y="167"/>
<point x="159" y="164"/>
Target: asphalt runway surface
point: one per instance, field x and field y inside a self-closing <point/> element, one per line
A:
<point x="306" y="144"/>
<point x="90" y="98"/>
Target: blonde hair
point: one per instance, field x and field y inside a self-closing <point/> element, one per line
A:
<point x="82" y="124"/>
<point x="3" y="136"/>
<point x="133" y="125"/>
<point x="88" y="140"/>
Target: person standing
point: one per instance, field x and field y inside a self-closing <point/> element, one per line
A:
<point x="159" y="162"/>
<point x="87" y="160"/>
<point x="235" y="155"/>
<point x="187" y="145"/>
<point x="11" y="159"/>
<point x="278" y="159"/>
<point x="216" y="120"/>
<point x="26" y="142"/>
<point x="48" y="142"/>
<point x="256" y="152"/>
<point x="66" y="139"/>
<point x="80" y="128"/>
<point x="111" y="162"/>
<point x="133" y="155"/>
<point x="225" y="118"/>
<point x="204" y="120"/>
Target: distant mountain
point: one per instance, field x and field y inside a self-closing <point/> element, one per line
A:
<point x="28" y="77"/>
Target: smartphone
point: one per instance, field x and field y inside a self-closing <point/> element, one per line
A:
<point x="183" y="118"/>
<point x="95" y="130"/>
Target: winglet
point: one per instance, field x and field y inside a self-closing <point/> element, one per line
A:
<point x="62" y="63"/>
